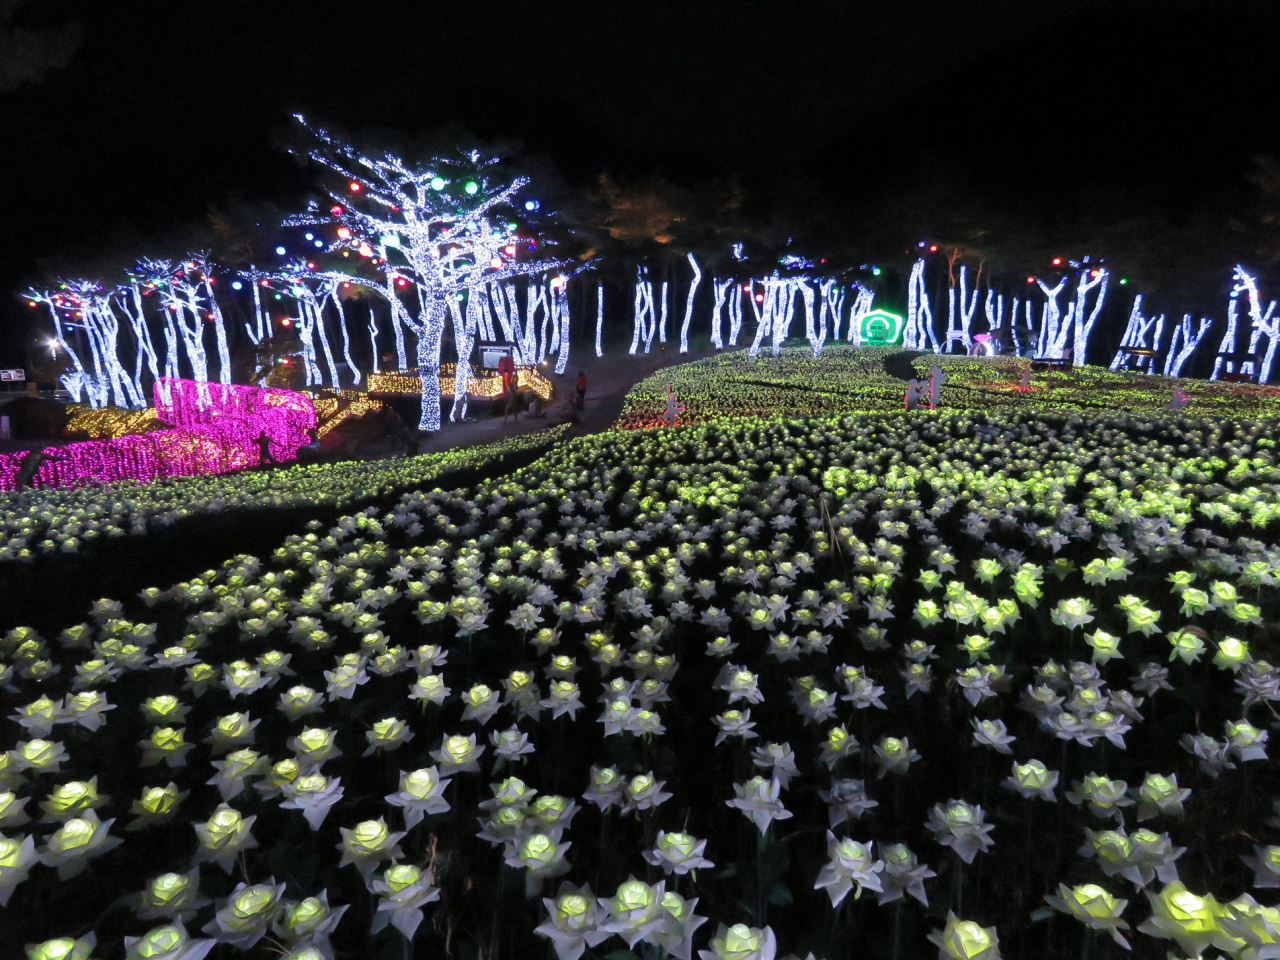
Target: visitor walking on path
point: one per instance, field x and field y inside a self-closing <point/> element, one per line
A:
<point x="511" y="399"/>
<point x="265" y="457"/>
<point x="28" y="467"/>
<point x="582" y="389"/>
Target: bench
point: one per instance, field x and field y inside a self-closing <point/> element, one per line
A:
<point x="1050" y="363"/>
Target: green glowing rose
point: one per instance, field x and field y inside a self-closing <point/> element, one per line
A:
<point x="965" y="940"/>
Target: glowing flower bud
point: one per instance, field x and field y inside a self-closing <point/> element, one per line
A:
<point x="313" y="794"/>
<point x="245" y="917"/>
<point x="314" y="746"/>
<point x="1092" y="906"/>
<point x="310" y="920"/>
<point x="38" y="756"/>
<point x="165" y="709"/>
<point x="741" y="942"/>
<point x="403" y="890"/>
<point x="224" y="836"/>
<point x="17" y="857"/>
<point x="635" y="910"/>
<point x="1159" y="794"/>
<point x="850" y="865"/>
<point x="573" y="922"/>
<point x="70" y="848"/>
<point x="430" y="688"/>
<point x="644" y="792"/>
<point x="387" y="735"/>
<point x="608" y="788"/>
<point x="1245" y="740"/>
<point x="421" y="794"/>
<point x="961" y="826"/>
<point x="167" y="745"/>
<point x="170" y="895"/>
<point x="458" y="754"/>
<point x="1072" y="613"/>
<point x="233" y="730"/>
<point x="12" y="813"/>
<point x="86" y="708"/>
<point x="63" y="948"/>
<point x="167" y="943"/>
<point x="1187" y="647"/>
<point x="1232" y="655"/>
<point x="894" y="755"/>
<point x="965" y="940"/>
<point x="368" y="845"/>
<point x="300" y="701"/>
<point x="1190" y="920"/>
<point x="1104" y="797"/>
<point x="678" y="853"/>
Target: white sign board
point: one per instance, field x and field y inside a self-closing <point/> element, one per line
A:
<point x="12" y="375"/>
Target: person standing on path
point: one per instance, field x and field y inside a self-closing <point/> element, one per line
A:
<point x="582" y="389"/>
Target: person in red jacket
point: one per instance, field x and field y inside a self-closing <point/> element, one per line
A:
<point x="582" y="388"/>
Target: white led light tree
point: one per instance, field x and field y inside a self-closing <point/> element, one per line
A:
<point x="599" y="319"/>
<point x="1180" y="353"/>
<point x="66" y="315"/>
<point x="960" y="332"/>
<point x="1135" y="335"/>
<point x="644" y="321"/>
<point x="688" y="304"/>
<point x="443" y="226"/>
<point x="129" y="298"/>
<point x="1263" y="323"/>
<point x="832" y="296"/>
<point x="919" y="333"/>
<point x="1057" y="329"/>
<point x="721" y="290"/>
<point x="815" y="318"/>
<point x="184" y="296"/>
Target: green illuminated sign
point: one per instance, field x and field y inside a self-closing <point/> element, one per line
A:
<point x="880" y="328"/>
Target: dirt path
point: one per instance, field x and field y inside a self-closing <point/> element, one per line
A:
<point x="608" y="380"/>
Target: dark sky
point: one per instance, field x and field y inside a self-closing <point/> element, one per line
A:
<point x="1049" y="119"/>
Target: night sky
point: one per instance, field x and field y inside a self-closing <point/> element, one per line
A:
<point x="1127" y="127"/>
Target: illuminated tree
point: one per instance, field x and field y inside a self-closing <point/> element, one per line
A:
<point x="1263" y="323"/>
<point x="1135" y="335"/>
<point x="443" y="227"/>
<point x="1179" y="354"/>
<point x="968" y="306"/>
<point x="919" y="331"/>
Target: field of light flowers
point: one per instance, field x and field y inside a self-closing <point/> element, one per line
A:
<point x="972" y="684"/>
<point x="848" y="379"/>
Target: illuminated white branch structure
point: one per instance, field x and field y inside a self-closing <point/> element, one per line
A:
<point x="599" y="319"/>
<point x="688" y="305"/>
<point x="1135" y="335"/>
<point x="968" y="306"/>
<point x="644" y="316"/>
<point x="444" y="227"/>
<point x="1179" y="353"/>
<point x="919" y="333"/>
<point x="1263" y="323"/>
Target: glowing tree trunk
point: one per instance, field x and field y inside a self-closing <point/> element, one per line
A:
<point x="79" y="383"/>
<point x="430" y="328"/>
<point x="968" y="306"/>
<point x="599" y="319"/>
<point x="1262" y="322"/>
<point x="832" y="296"/>
<point x="815" y="320"/>
<point x="132" y="304"/>
<point x="688" y="305"/>
<point x="919" y="333"/>
<point x="645" y="321"/>
<point x="1051" y="338"/>
<point x="373" y="339"/>
<point x="1135" y="335"/>
<point x="662" y="322"/>
<point x="346" y="337"/>
<point x="1088" y="282"/>
<point x="1180" y="354"/>
<point x="784" y="311"/>
<point x="993" y="310"/>
<point x="721" y="289"/>
<point x="560" y="297"/>
<point x="465" y="321"/>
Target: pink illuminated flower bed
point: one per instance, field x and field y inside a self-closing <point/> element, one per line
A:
<point x="214" y="426"/>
